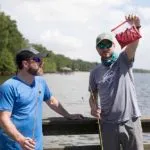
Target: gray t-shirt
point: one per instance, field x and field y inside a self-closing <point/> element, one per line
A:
<point x="115" y="85"/>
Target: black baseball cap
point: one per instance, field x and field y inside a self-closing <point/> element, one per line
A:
<point x="27" y="53"/>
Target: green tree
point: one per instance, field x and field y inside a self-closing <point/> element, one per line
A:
<point x="4" y="33"/>
<point x="11" y="40"/>
<point x="10" y="37"/>
<point x="6" y="62"/>
<point x="49" y="65"/>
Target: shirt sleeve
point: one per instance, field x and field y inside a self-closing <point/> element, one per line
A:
<point x="7" y="97"/>
<point x="125" y="60"/>
<point x="92" y="84"/>
<point x="47" y="93"/>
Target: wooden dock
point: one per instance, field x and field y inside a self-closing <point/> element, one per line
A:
<point x="61" y="126"/>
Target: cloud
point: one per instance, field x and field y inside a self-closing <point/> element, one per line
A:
<point x="63" y="40"/>
<point x="142" y="12"/>
<point x="66" y="10"/>
<point x="70" y="27"/>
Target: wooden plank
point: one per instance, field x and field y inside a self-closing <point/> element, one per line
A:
<point x="62" y="126"/>
<point x="145" y="124"/>
<point x="89" y="147"/>
<point x="147" y="146"/>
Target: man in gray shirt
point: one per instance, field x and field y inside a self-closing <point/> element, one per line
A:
<point x="113" y="81"/>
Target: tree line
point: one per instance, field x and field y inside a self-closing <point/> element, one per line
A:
<point x="12" y="40"/>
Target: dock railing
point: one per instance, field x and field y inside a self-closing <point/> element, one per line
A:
<point x="60" y="126"/>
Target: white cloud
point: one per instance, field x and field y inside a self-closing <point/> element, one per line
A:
<point x="145" y="13"/>
<point x="70" y="27"/>
<point x="67" y="10"/>
<point x="57" y="37"/>
<point x="56" y="11"/>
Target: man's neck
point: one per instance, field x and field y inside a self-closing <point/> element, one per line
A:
<point x="25" y="76"/>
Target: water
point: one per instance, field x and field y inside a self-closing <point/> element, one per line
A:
<point x="72" y="91"/>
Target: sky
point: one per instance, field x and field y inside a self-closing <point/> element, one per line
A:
<point x="70" y="27"/>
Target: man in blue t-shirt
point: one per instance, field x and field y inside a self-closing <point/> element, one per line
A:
<point x="21" y="100"/>
<point x="113" y="81"/>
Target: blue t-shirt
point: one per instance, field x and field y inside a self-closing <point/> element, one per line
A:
<point x="25" y="104"/>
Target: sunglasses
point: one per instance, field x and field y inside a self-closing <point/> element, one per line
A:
<point x="104" y="45"/>
<point x="36" y="59"/>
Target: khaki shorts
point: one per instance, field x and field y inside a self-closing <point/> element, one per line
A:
<point x="127" y="135"/>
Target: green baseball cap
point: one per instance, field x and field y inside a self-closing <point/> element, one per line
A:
<point x="103" y="36"/>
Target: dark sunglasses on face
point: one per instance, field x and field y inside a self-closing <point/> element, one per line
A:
<point x="36" y="59"/>
<point x="104" y="45"/>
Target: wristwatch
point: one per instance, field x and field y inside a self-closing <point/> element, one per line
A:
<point x="138" y="27"/>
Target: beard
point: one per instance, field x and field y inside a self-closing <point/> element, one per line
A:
<point x="32" y="71"/>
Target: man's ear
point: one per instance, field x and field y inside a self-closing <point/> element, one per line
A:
<point x="24" y="64"/>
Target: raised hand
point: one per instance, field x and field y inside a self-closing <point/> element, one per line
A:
<point x="133" y="20"/>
